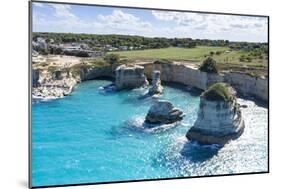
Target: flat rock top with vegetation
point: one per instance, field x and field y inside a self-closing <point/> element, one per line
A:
<point x="219" y="92"/>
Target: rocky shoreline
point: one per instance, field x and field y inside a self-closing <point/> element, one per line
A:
<point x="52" y="85"/>
<point x="244" y="84"/>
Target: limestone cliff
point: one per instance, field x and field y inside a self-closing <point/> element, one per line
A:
<point x="244" y="84"/>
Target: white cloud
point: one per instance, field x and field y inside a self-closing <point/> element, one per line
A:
<point x="38" y="4"/>
<point x="215" y="26"/>
<point x="62" y="18"/>
<point x="120" y="19"/>
<point x="63" y="11"/>
<point x="211" y="20"/>
<point x="182" y="19"/>
<point x="65" y="20"/>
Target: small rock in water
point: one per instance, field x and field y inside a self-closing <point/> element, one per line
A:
<point x="243" y="106"/>
<point x="109" y="88"/>
<point x="163" y="112"/>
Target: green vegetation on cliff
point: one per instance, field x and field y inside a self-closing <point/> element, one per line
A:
<point x="219" y="92"/>
<point x="112" y="58"/>
<point x="209" y="65"/>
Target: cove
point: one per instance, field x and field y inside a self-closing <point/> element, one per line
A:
<point x="92" y="136"/>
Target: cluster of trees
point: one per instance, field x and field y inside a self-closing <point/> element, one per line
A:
<point x="209" y="65"/>
<point x="263" y="47"/>
<point x="105" y="42"/>
<point x="138" y="42"/>
<point x="256" y="53"/>
<point x="112" y="58"/>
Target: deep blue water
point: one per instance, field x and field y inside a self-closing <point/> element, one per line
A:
<point x="91" y="136"/>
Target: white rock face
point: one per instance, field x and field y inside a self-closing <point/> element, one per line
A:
<point x="163" y="112"/>
<point x="156" y="87"/>
<point x="53" y="85"/>
<point x="187" y="75"/>
<point x="129" y="77"/>
<point x="248" y="85"/>
<point x="217" y="122"/>
<point x="57" y="84"/>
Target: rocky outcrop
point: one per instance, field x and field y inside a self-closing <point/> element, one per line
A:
<point x="129" y="77"/>
<point x="50" y="85"/>
<point x="219" y="117"/>
<point x="58" y="83"/>
<point x="89" y="73"/>
<point x="244" y="84"/>
<point x="156" y="87"/>
<point x="163" y="112"/>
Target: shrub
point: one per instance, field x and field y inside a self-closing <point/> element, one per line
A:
<point x="219" y="92"/>
<point x="218" y="52"/>
<point x="212" y="53"/>
<point x="249" y="59"/>
<point x="242" y="58"/>
<point x="112" y="58"/>
<point x="43" y="51"/>
<point x="209" y="65"/>
<point x="82" y="54"/>
<point x="162" y="61"/>
<point x="58" y="51"/>
<point x="52" y="69"/>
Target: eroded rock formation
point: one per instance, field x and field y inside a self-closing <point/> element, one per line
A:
<point x="156" y="87"/>
<point x="163" y="112"/>
<point x="53" y="85"/>
<point x="219" y="117"/>
<point x="129" y="77"/>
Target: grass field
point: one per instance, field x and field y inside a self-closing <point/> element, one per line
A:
<point x="226" y="59"/>
<point x="172" y="53"/>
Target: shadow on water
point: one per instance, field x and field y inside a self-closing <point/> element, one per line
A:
<point x="193" y="91"/>
<point x="178" y="158"/>
<point x="197" y="153"/>
<point x="138" y="98"/>
<point x="138" y="128"/>
<point x="131" y="128"/>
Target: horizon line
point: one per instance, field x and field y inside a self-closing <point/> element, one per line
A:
<point x="77" y="33"/>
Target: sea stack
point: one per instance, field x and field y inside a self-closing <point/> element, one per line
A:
<point x="130" y="76"/>
<point x="156" y="87"/>
<point x="163" y="112"/>
<point x="219" y="117"/>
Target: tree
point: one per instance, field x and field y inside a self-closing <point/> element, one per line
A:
<point x="242" y="58"/>
<point x="209" y="65"/>
<point x="112" y="58"/>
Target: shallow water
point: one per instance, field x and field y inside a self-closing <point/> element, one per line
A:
<point x="92" y="136"/>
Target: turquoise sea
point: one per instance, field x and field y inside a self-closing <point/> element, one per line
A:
<point x="92" y="136"/>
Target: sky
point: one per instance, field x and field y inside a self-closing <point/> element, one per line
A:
<point x="48" y="17"/>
